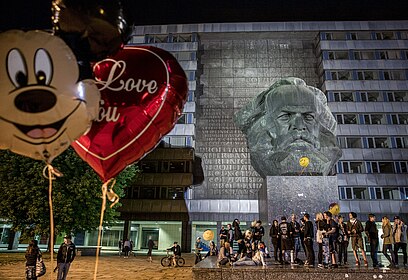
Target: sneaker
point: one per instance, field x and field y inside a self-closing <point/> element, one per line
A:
<point x="306" y="263"/>
<point x="335" y="266"/>
<point x="320" y="265"/>
<point x="345" y="263"/>
<point x="310" y="265"/>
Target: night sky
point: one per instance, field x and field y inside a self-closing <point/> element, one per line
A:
<point x="36" y="14"/>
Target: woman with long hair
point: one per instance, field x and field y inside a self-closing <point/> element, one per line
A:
<point x="274" y="234"/>
<point x="321" y="227"/>
<point x="32" y="255"/>
<point x="387" y="240"/>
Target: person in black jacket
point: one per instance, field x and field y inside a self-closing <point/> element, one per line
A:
<point x="66" y="255"/>
<point x="32" y="255"/>
<point x="274" y="234"/>
<point x="176" y="250"/>
<point x="308" y="239"/>
<point x="372" y="234"/>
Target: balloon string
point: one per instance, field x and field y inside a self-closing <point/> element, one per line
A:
<point x="50" y="178"/>
<point x="114" y="198"/>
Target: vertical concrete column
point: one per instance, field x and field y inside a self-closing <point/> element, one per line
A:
<point x="126" y="228"/>
<point x="186" y="236"/>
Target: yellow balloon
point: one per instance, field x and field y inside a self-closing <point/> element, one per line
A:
<point x="334" y="208"/>
<point x="304" y="161"/>
<point x="208" y="235"/>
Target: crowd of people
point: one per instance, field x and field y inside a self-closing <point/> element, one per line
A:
<point x="332" y="234"/>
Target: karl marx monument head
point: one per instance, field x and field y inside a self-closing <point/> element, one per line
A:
<point x="288" y="121"/>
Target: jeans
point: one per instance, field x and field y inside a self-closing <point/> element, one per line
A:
<point x="373" y="250"/>
<point x="309" y="251"/>
<point x="326" y="251"/>
<point x="403" y="246"/>
<point x="63" y="269"/>
<point x="296" y="242"/>
<point x="320" y="254"/>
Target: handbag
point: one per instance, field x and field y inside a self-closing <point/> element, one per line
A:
<point x="40" y="268"/>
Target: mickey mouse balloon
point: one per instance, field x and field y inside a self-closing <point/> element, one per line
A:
<point x="43" y="106"/>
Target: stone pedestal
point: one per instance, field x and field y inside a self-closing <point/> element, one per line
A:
<point x="284" y="195"/>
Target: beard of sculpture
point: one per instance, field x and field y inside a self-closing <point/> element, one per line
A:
<point x="289" y="121"/>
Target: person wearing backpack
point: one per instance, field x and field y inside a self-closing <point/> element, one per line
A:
<point x="355" y="229"/>
<point x="332" y="233"/>
<point x="285" y="234"/>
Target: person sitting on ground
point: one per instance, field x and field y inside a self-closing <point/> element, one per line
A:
<point x="225" y="255"/>
<point x="257" y="259"/>
<point x="176" y="250"/>
<point x="213" y="251"/>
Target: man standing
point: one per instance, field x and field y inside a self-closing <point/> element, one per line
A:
<point x="223" y="235"/>
<point x="308" y="239"/>
<point x="372" y="234"/>
<point x="399" y="231"/>
<point x="198" y="249"/>
<point x="66" y="255"/>
<point x="296" y="235"/>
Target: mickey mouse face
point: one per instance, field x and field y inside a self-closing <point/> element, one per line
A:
<point x="44" y="108"/>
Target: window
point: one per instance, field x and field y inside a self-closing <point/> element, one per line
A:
<point x="378" y="142"/>
<point x="391" y="193"/>
<point x="353" y="192"/>
<point x="334" y="36"/>
<point x="374" y="119"/>
<point x="394" y="75"/>
<point x="367" y="75"/>
<point x="178" y="166"/>
<point x="390" y="54"/>
<point x="353" y="142"/>
<point x="360" y="193"/>
<point x="399" y="118"/>
<point x="385" y="35"/>
<point x="402" y="167"/>
<point x="378" y="193"/>
<point x="386" y="167"/>
<point x="338" y="55"/>
<point x="397" y="96"/>
<point x="401" y="142"/>
<point x="370" y="96"/>
<point x="359" y="55"/>
<point x="340" y="75"/>
<point x="346" y="118"/>
<point x="343" y="96"/>
<point x="353" y="167"/>
<point x="362" y="36"/>
<point x="182" y="119"/>
<point x="149" y="166"/>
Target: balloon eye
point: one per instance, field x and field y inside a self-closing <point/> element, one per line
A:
<point x="43" y="67"/>
<point x="16" y="68"/>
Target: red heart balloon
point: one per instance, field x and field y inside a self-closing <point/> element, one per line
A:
<point x="143" y="91"/>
